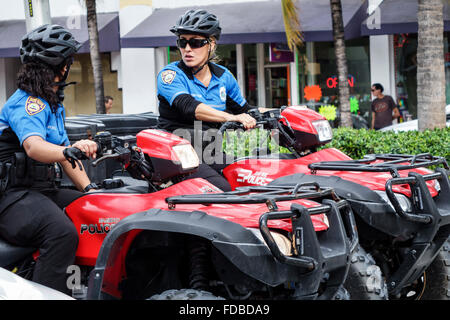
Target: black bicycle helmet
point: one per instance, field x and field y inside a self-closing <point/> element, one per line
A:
<point x="51" y="44"/>
<point x="199" y="22"/>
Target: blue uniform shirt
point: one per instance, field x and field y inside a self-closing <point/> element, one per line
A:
<point x="29" y="116"/>
<point x="179" y="93"/>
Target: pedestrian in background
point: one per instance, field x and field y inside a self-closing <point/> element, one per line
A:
<point x="383" y="108"/>
<point x="108" y="104"/>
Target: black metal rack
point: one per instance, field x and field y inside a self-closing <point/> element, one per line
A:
<point x="392" y="163"/>
<point x="342" y="224"/>
<point x="257" y="194"/>
<point x="425" y="210"/>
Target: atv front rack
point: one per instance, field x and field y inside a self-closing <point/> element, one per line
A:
<point x="392" y="163"/>
<point x="341" y="235"/>
<point x="256" y="194"/>
<point x="424" y="206"/>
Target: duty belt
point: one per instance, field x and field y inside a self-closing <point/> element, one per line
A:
<point x="22" y="171"/>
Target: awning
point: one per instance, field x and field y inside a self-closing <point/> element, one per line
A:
<point x="396" y="17"/>
<point x="251" y="22"/>
<point x="12" y="31"/>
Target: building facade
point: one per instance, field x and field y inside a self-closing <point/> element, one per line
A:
<point x="137" y="45"/>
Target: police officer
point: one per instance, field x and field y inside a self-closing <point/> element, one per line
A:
<point x="196" y="89"/>
<point x="32" y="140"/>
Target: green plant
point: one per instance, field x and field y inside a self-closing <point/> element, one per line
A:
<point x="358" y="142"/>
<point x="354" y="142"/>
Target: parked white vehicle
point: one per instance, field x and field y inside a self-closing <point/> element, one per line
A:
<point x="14" y="287"/>
<point x="413" y="124"/>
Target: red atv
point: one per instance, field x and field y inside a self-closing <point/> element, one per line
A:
<point x="169" y="238"/>
<point x="402" y="209"/>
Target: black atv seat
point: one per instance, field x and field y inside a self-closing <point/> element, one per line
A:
<point x="10" y="254"/>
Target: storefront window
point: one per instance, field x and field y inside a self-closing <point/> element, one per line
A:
<point x="447" y="65"/>
<point x="276" y="73"/>
<point x="250" y="68"/>
<point x="318" y="80"/>
<point x="406" y="71"/>
<point x="405" y="57"/>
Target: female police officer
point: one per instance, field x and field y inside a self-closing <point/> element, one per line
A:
<point x="32" y="140"/>
<point x="197" y="89"/>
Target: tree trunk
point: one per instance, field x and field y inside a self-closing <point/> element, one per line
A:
<point x="95" y="56"/>
<point x="341" y="62"/>
<point x="430" y="65"/>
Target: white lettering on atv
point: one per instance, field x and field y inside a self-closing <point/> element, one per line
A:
<point x="258" y="178"/>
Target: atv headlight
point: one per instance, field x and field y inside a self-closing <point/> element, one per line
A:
<point x="283" y="243"/>
<point x="437" y="186"/>
<point x="404" y="202"/>
<point x="323" y="129"/>
<point x="187" y="156"/>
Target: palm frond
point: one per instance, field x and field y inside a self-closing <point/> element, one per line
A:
<point x="291" y="24"/>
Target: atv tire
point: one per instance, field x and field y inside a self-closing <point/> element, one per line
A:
<point x="185" y="294"/>
<point x="364" y="280"/>
<point x="437" y="276"/>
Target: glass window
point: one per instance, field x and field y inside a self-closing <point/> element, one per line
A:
<point x="250" y="66"/>
<point x="405" y="57"/>
<point x="276" y="73"/>
<point x="317" y="73"/>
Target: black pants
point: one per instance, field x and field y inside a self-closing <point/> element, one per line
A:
<point x="37" y="220"/>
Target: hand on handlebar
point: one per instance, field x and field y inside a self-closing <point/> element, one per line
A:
<point x="74" y="155"/>
<point x="247" y="121"/>
<point x="80" y="150"/>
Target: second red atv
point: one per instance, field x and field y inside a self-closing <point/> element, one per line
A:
<point x="402" y="208"/>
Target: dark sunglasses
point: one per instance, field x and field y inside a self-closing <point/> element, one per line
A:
<point x="193" y="43"/>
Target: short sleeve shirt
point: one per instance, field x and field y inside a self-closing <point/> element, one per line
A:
<point x="383" y="111"/>
<point x="223" y="92"/>
<point x="30" y="116"/>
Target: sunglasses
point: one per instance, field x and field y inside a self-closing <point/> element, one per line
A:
<point x="193" y="43"/>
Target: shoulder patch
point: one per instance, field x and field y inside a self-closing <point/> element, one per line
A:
<point x="167" y="76"/>
<point x="34" y="105"/>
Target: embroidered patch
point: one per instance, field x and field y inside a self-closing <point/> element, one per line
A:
<point x="223" y="94"/>
<point x="168" y="76"/>
<point x="34" y="105"/>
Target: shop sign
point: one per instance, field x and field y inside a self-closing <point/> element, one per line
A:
<point x="313" y="92"/>
<point x="279" y="52"/>
<point x="332" y="81"/>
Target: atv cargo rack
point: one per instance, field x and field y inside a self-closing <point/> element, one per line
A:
<point x="424" y="206"/>
<point x="392" y="163"/>
<point x="339" y="214"/>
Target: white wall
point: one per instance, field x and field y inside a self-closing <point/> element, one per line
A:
<point x="184" y="3"/>
<point x="382" y="68"/>
<point x="58" y="8"/>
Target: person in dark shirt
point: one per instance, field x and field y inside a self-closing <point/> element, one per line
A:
<point x="383" y="108"/>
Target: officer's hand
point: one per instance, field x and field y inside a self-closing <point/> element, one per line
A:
<point x="88" y="147"/>
<point x="248" y="121"/>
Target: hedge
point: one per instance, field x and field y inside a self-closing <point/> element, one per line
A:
<point x="358" y="142"/>
<point x="355" y="142"/>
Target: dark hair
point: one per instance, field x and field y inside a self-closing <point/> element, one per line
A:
<point x="107" y="98"/>
<point x="38" y="80"/>
<point x="378" y="86"/>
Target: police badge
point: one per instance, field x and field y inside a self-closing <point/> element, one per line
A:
<point x="168" y="76"/>
<point x="34" y="105"/>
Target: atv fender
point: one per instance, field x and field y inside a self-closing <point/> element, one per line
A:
<point x="242" y="247"/>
